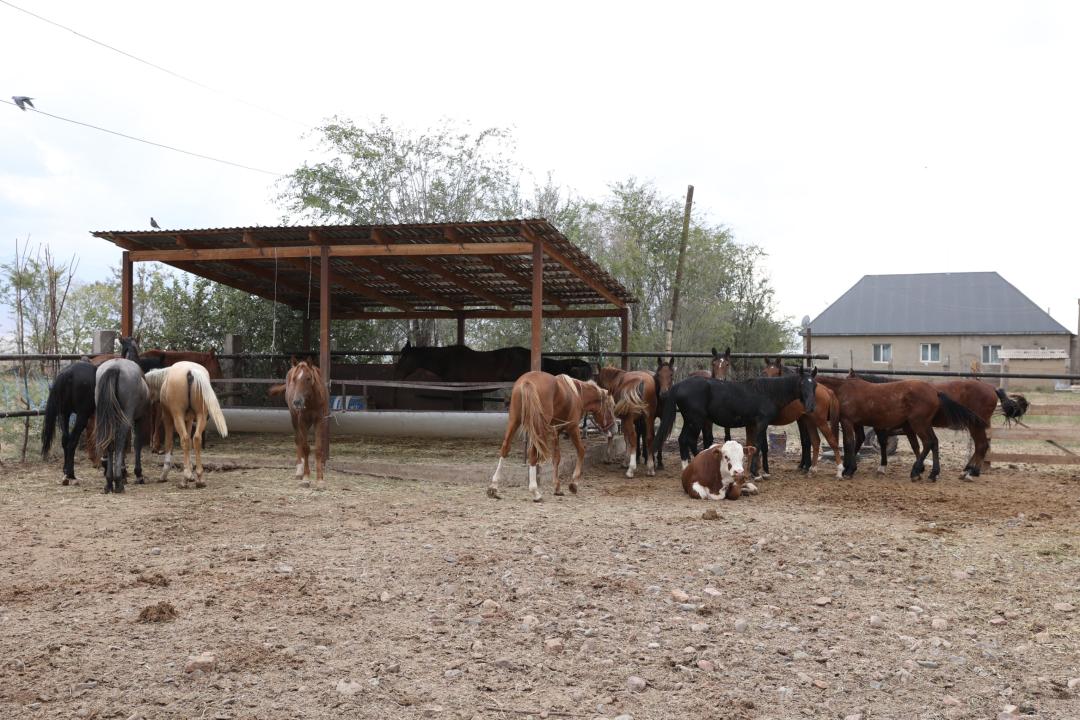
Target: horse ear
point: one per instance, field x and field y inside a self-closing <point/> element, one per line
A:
<point x="672" y="363"/>
<point x="800" y="369"/>
<point x="408" y="344"/>
<point x="659" y="361"/>
<point x="295" y="362"/>
<point x="813" y="373"/>
<point x="727" y="352"/>
<point x="714" y="353"/>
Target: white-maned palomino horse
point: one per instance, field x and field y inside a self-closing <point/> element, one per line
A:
<point x="187" y="398"/>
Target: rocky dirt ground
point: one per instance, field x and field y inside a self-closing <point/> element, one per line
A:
<point x="404" y="592"/>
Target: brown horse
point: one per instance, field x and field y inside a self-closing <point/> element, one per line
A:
<point x="908" y="405"/>
<point x="544" y="405"/>
<point x="982" y="399"/>
<point x="636" y="401"/>
<point x="309" y="405"/>
<point x="825" y="418"/>
<point x="186" y="398"/>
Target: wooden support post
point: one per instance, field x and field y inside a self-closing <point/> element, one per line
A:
<point x="537" y="334"/>
<point x="624" y="337"/>
<point x="324" y="332"/>
<point x="461" y="329"/>
<point x="127" y="294"/>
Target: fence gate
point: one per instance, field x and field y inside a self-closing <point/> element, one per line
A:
<point x="1052" y="426"/>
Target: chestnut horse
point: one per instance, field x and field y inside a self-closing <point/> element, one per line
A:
<point x="909" y="405"/>
<point x="636" y="401"/>
<point x="185" y="398"/>
<point x="309" y="405"/>
<point x="826" y="418"/>
<point x="982" y="399"/>
<point x="544" y="405"/>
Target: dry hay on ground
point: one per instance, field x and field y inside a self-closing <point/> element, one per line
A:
<point x="404" y="592"/>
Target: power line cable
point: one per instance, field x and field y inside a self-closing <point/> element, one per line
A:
<point x="150" y="142"/>
<point x="156" y="66"/>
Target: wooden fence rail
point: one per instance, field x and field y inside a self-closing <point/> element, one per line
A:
<point x="1065" y="438"/>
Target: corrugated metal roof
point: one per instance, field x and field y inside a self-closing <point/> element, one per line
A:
<point x="934" y="304"/>
<point x="466" y="281"/>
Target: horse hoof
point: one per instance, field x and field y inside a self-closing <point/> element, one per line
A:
<point x="538" y="499"/>
<point x="659" y="466"/>
<point x="66" y="481"/>
<point x="140" y="480"/>
<point x="932" y="477"/>
<point x="493" y="494"/>
<point x="305" y="483"/>
<point x="966" y="477"/>
<point x="199" y="484"/>
<point x="558" y="492"/>
<point x="573" y="488"/>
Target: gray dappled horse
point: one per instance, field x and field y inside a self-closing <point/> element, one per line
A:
<point x="122" y="402"/>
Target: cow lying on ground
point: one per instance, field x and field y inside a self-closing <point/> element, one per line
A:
<point x="719" y="472"/>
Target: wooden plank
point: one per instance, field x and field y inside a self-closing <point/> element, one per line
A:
<point x="127" y="296"/>
<point x="475" y="314"/>
<point x="268" y="253"/>
<point x="536" y="331"/>
<point x="419" y="290"/>
<point x="1062" y="433"/>
<point x="1032" y="458"/>
<point x="1039" y="409"/>
<point x="522" y="280"/>
<point x="570" y="265"/>
<point x="624" y="337"/>
<point x="462" y="282"/>
<point x="324" y="337"/>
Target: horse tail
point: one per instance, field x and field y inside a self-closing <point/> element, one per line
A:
<point x="110" y="414"/>
<point x="957" y="416"/>
<point x="203" y="387"/>
<point x="52" y="417"/>
<point x="833" y="415"/>
<point x="533" y="420"/>
<point x="631" y="402"/>
<point x="667" y="419"/>
<point x="1013" y="406"/>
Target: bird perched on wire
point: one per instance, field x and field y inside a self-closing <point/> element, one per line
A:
<point x="153" y="223"/>
<point x="22" y="102"/>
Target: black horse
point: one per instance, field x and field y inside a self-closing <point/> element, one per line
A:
<point x="72" y="393"/>
<point x="458" y="363"/>
<point x="752" y="404"/>
<point x="574" y="367"/>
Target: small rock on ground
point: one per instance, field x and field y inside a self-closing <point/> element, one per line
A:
<point x="636" y="684"/>
<point x="205" y="662"/>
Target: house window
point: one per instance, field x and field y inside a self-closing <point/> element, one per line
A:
<point x="990" y="355"/>
<point x="882" y="352"/>
<point x="930" y="352"/>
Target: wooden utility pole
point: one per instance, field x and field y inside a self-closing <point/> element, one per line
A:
<point x="670" y="329"/>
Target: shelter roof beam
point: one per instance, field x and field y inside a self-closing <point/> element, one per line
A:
<point x="462" y="282"/>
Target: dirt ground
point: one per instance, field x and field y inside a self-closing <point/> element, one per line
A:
<point x="404" y="592"/>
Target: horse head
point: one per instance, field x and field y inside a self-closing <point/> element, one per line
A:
<point x="721" y="364"/>
<point x="301" y="384"/>
<point x="129" y="348"/>
<point x="664" y="375"/>
<point x="808" y="388"/>
<point x="605" y="415"/>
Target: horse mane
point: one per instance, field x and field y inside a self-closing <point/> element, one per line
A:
<point x="155" y="379"/>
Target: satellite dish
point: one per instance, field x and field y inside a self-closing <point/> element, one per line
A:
<point x="805" y="321"/>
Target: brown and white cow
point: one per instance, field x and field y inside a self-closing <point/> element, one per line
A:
<point x="719" y="472"/>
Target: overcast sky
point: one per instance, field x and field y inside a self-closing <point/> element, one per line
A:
<point x="844" y="138"/>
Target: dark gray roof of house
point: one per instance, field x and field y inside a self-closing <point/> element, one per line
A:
<point x="966" y="303"/>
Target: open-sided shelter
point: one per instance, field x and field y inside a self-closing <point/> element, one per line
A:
<point x="492" y="269"/>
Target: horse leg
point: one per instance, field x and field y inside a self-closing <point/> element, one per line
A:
<point x="935" y="467"/>
<point x="167" y="431"/>
<point x="533" y="487"/>
<point x="504" y="450"/>
<point x="761" y="440"/>
<point x="320" y="453"/>
<point x="197" y="441"/>
<point x="556" y="458"/>
<point x="650" y="439"/>
<point x="851" y="448"/>
<point x="687" y="442"/>
<point x="304" y="449"/>
<point x="184" y="429"/>
<point x="806" y="460"/>
<point x="91" y="442"/>
<point x="71" y="446"/>
<point x="928" y="440"/>
<point x="579" y="446"/>
<point x="830" y="437"/>
<point x="630" y="436"/>
<point x="138" y="438"/>
<point x="982" y="446"/>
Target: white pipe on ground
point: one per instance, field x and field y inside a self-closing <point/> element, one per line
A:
<point x="377" y="423"/>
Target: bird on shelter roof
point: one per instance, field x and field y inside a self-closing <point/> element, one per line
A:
<point x="153" y="223"/>
<point x="22" y="102"/>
